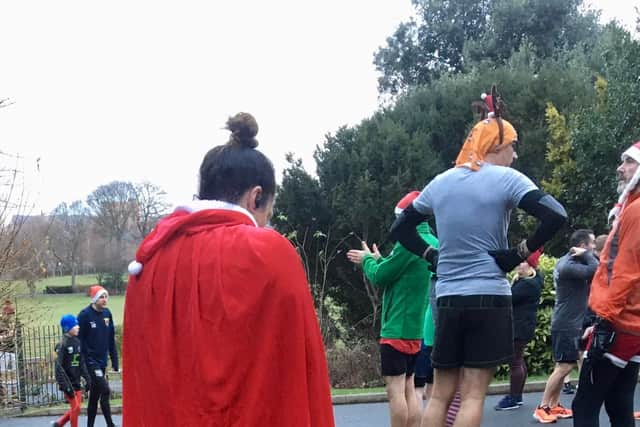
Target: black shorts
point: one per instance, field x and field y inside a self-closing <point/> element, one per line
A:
<point x="475" y="331"/>
<point x="565" y="346"/>
<point x="395" y="362"/>
<point x="424" y="370"/>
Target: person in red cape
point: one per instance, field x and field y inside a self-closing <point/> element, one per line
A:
<point x="219" y="324"/>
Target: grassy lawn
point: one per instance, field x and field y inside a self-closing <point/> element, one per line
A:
<point x="20" y="286"/>
<point x="47" y="309"/>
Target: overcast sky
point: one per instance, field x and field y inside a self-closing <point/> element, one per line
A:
<point x="140" y="90"/>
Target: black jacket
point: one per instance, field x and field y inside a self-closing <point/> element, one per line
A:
<point x="97" y="334"/>
<point x="525" y="297"/>
<point x="70" y="364"/>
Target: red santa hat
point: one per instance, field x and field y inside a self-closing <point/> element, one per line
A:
<point x="534" y="259"/>
<point x="634" y="153"/>
<point x="488" y="100"/>
<point x="95" y="292"/>
<point x="406" y="201"/>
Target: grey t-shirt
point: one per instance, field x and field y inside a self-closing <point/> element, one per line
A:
<point x="472" y="212"/>
<point x="572" y="278"/>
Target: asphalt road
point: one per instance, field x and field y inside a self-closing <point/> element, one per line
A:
<point x="377" y="415"/>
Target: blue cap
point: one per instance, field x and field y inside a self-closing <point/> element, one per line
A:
<point x="67" y="322"/>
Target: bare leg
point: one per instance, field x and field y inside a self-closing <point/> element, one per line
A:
<point x="553" y="387"/>
<point x="445" y="383"/>
<point x="473" y="389"/>
<point x="414" y="407"/>
<point x="398" y="409"/>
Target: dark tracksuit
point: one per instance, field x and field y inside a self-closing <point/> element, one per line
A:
<point x="69" y="368"/>
<point x="97" y="335"/>
<point x="525" y="298"/>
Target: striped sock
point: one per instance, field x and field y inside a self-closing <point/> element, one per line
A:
<point x="454" y="407"/>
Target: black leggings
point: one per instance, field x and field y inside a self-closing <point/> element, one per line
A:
<point x="99" y="391"/>
<point x="518" y="369"/>
<point x="603" y="382"/>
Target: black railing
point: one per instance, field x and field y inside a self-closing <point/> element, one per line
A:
<point x="27" y="367"/>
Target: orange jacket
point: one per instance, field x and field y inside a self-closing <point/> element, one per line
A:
<point x="615" y="289"/>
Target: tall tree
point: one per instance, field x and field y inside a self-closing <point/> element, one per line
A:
<point x="431" y="44"/>
<point x="450" y="36"/>
<point x="113" y="208"/>
<point x="150" y="206"/>
<point x="69" y="230"/>
<point x="30" y="253"/>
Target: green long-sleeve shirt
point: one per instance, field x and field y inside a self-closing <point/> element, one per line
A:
<point x="405" y="279"/>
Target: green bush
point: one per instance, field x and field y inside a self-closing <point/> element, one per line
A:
<point x="538" y="352"/>
<point x="354" y="364"/>
<point x="67" y="289"/>
<point x="114" y="282"/>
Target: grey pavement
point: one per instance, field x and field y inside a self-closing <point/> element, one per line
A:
<point x="377" y="415"/>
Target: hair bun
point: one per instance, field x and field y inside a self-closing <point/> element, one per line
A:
<point x="244" y="128"/>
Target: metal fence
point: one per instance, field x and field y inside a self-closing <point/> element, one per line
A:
<point x="27" y="367"/>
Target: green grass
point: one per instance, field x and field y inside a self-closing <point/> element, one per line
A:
<point x="20" y="286"/>
<point x="47" y="309"/>
<point x="344" y="391"/>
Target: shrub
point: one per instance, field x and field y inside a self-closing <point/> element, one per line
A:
<point x="354" y="365"/>
<point x="113" y="282"/>
<point x="66" y="289"/>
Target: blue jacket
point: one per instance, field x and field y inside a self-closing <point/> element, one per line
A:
<point x="97" y="338"/>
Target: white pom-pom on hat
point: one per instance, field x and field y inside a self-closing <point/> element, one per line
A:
<point x="134" y="268"/>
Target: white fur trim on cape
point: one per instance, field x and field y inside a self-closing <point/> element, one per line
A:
<point x="135" y="267"/>
<point x="200" y="205"/>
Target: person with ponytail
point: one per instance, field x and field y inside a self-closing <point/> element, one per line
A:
<point x="472" y="203"/>
<point x="219" y="326"/>
<point x="610" y="368"/>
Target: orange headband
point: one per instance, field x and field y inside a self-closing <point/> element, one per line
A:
<point x="484" y="138"/>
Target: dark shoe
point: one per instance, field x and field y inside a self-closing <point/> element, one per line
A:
<point x="55" y="424"/>
<point x="518" y="400"/>
<point x="568" y="388"/>
<point x="507" y="403"/>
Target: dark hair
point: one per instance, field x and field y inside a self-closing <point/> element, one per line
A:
<point x="578" y="237"/>
<point x="228" y="171"/>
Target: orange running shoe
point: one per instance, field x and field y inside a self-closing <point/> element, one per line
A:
<point x="544" y="415"/>
<point x="561" y="412"/>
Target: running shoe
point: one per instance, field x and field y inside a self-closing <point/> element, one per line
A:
<point x="507" y="403"/>
<point x="561" y="412"/>
<point x="568" y="388"/>
<point x="544" y="415"/>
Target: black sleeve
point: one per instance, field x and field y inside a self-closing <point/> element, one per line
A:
<point x="404" y="231"/>
<point x="519" y="292"/>
<point x="550" y="214"/>
<point x="61" y="376"/>
<point x="527" y="289"/>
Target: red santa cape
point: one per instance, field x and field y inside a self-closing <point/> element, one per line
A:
<point x="220" y="328"/>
